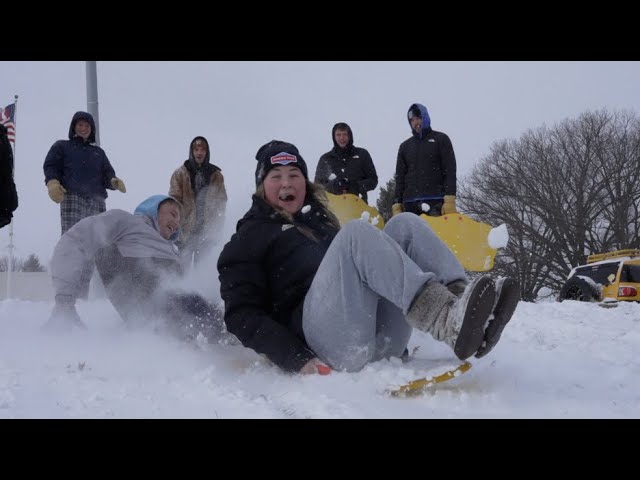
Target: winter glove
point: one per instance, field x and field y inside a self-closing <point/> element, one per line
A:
<point x="315" y="366"/>
<point x="64" y="316"/>
<point x="449" y="205"/>
<point x="396" y="208"/>
<point x="56" y="191"/>
<point x="118" y="184"/>
<point x="343" y="184"/>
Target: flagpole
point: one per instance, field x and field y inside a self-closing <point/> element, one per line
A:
<point x="11" y="262"/>
<point x="92" y="96"/>
<point x="96" y="286"/>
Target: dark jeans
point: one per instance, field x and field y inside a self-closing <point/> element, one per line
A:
<point x="73" y="209"/>
<point x="435" y="207"/>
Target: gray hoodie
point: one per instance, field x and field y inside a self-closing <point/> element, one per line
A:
<point x="130" y="254"/>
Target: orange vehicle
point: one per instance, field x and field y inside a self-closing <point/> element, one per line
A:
<point x="607" y="277"/>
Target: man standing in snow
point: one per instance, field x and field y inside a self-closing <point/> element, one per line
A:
<point x="78" y="174"/>
<point x="345" y="168"/>
<point x="137" y="261"/>
<point x="425" y="169"/>
<point x="199" y="186"/>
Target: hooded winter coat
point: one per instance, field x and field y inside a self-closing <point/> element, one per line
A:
<point x="349" y="168"/>
<point x="130" y="254"/>
<point x="426" y="164"/>
<point x="81" y="167"/>
<point x="203" y="210"/>
<point x="8" y="193"/>
<point x="265" y="272"/>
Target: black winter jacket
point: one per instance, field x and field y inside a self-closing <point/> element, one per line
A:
<point x="81" y="167"/>
<point x="8" y="194"/>
<point x="265" y="271"/>
<point x="352" y="166"/>
<point x="426" y="167"/>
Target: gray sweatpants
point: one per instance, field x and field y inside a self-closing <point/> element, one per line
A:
<point x="354" y="312"/>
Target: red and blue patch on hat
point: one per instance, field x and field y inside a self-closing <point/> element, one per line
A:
<point x="278" y="153"/>
<point x="283" y="158"/>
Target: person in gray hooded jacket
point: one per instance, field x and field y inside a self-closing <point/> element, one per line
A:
<point x="137" y="261"/>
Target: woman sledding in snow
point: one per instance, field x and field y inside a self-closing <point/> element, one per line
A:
<point x="313" y="297"/>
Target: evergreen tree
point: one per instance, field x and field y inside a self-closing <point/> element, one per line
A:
<point x="385" y="199"/>
<point x="32" y="264"/>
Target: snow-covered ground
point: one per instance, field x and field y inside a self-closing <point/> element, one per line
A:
<point x="555" y="360"/>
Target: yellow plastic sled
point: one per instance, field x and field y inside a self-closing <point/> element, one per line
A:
<point x="349" y="207"/>
<point x="467" y="239"/>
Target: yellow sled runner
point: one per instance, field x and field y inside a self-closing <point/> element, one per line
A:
<point x="467" y="239"/>
<point x="419" y="386"/>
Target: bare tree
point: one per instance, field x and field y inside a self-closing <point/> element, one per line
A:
<point x="563" y="192"/>
<point x="4" y="264"/>
<point x="620" y="166"/>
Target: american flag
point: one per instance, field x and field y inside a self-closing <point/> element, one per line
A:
<point x="8" y="118"/>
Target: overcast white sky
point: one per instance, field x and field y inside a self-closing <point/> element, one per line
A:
<point x="150" y="111"/>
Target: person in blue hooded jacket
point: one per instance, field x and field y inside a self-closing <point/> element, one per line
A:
<point x="138" y="263"/>
<point x="425" y="169"/>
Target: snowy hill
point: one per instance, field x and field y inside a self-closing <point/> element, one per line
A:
<point x="556" y="360"/>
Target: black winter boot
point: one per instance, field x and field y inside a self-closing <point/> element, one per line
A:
<point x="64" y="317"/>
<point x="457" y="321"/>
<point x="507" y="298"/>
